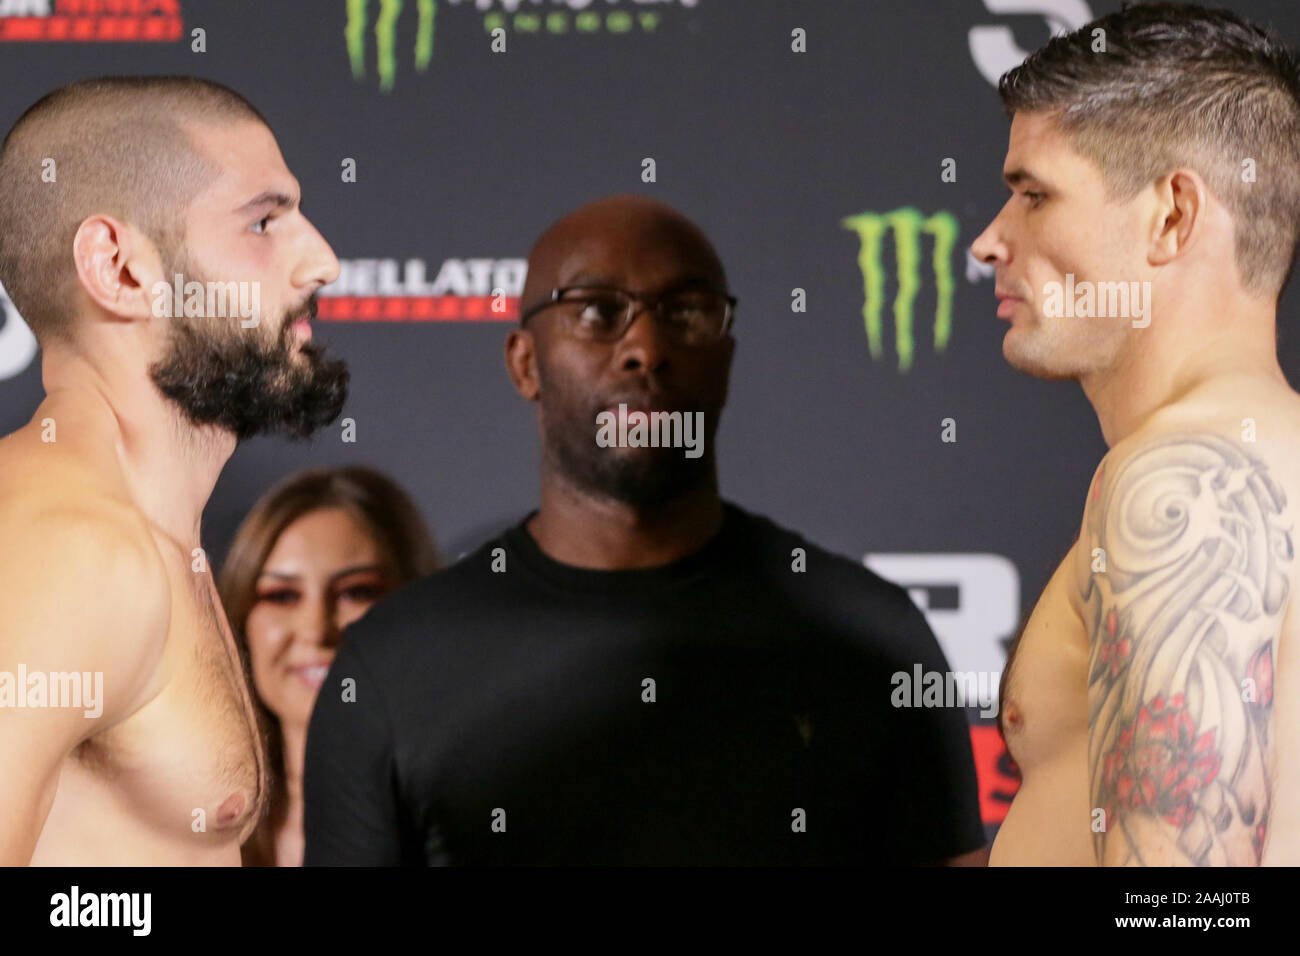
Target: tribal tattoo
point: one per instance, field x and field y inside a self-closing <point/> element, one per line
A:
<point x="1184" y="606"/>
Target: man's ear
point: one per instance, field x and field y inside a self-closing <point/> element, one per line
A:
<point x="117" y="267"/>
<point x="521" y="363"/>
<point x="1180" y="215"/>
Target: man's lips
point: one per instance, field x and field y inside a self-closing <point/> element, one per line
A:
<point x="630" y="407"/>
<point x="1007" y="304"/>
<point x="643" y="404"/>
<point x="299" y="322"/>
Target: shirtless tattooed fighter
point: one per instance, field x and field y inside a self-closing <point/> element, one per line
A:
<point x="109" y="190"/>
<point x="1152" y="700"/>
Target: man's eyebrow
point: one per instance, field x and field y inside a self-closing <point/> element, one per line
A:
<point x="272" y="198"/>
<point x="1019" y="175"/>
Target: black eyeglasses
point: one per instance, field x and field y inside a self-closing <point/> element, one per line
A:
<point x="604" y="314"/>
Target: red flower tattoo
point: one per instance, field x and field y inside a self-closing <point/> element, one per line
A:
<point x="1159" y="764"/>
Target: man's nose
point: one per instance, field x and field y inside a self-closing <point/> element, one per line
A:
<point x="318" y="266"/>
<point x="989" y="247"/>
<point x="644" y="345"/>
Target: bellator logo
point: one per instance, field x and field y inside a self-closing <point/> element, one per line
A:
<point x="90" y="21"/>
<point x="386" y="290"/>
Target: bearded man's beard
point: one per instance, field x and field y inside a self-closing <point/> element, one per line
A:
<point x="222" y="374"/>
<point x="641" y="477"/>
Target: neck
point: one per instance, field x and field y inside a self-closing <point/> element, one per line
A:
<point x="575" y="528"/>
<point x="293" y="739"/>
<point x="288" y="839"/>
<point x="169" y="464"/>
<point x="1157" y="368"/>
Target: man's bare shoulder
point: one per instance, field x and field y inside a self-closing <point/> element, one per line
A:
<point x="1262" y="413"/>
<point x="1197" y="473"/>
<point x="85" y="587"/>
<point x="1241" y="424"/>
<point x="64" y="442"/>
<point x="1173" y="467"/>
<point x="1205" y="462"/>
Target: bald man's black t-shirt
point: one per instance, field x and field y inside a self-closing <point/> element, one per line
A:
<point x="733" y="707"/>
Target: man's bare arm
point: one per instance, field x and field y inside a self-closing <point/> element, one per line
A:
<point x="1190" y="546"/>
<point x="81" y="594"/>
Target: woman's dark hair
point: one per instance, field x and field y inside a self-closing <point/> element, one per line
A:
<point x="393" y="522"/>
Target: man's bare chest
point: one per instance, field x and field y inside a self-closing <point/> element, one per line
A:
<point x="190" y="759"/>
<point x="1045" y="686"/>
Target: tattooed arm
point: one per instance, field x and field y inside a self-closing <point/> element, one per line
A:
<point x="1189" y="547"/>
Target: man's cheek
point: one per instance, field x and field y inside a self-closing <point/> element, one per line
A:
<point x="559" y="414"/>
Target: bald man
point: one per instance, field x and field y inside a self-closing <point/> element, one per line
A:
<point x="126" y="730"/>
<point x="638" y="672"/>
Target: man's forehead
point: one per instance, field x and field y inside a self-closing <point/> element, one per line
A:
<point x="617" y="257"/>
<point x="248" y="159"/>
<point x="1038" y="149"/>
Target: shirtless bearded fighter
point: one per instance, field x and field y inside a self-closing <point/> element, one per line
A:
<point x="109" y="189"/>
<point x="1153" y="697"/>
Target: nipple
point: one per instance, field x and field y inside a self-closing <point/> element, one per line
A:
<point x="1011" y="715"/>
<point x="229" y="811"/>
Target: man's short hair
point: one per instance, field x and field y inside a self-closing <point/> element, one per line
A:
<point x="1182" y="85"/>
<point x="118" y="146"/>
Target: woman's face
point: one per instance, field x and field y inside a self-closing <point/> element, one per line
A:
<point x="323" y="573"/>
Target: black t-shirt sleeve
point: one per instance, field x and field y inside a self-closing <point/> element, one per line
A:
<point x="936" y="798"/>
<point x="351" y="814"/>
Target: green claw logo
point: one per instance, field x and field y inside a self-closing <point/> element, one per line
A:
<point x="386" y="38"/>
<point x="908" y="226"/>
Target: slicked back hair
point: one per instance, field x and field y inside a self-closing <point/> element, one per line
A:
<point x="108" y="146"/>
<point x="1182" y="85"/>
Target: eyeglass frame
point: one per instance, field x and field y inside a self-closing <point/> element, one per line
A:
<point x="636" y="301"/>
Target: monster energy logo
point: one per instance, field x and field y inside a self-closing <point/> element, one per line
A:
<point x="908" y="225"/>
<point x="386" y="38"/>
